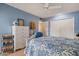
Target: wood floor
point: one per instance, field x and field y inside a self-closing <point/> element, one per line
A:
<point x="18" y="53"/>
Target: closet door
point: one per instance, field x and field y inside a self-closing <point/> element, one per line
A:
<point x="54" y="28"/>
<point x="62" y="28"/>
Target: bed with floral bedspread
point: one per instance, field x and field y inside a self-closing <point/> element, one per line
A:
<point x="52" y="46"/>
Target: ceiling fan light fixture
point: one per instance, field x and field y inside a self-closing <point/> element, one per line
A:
<point x="55" y="7"/>
<point x="47" y="6"/>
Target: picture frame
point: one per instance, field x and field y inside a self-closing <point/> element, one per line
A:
<point x="20" y="22"/>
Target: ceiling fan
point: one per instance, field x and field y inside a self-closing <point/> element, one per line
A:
<point x="51" y="6"/>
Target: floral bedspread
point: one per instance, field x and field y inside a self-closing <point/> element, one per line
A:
<point x="53" y="46"/>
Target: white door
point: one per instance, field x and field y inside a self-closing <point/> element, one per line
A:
<point x="62" y="28"/>
<point x="43" y="27"/>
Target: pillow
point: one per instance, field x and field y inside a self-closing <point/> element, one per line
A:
<point x="39" y="34"/>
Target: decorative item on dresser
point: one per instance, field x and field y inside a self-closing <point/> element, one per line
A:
<point x="18" y="22"/>
<point x="21" y="34"/>
<point x="7" y="43"/>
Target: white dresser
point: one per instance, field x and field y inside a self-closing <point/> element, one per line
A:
<point x="21" y="34"/>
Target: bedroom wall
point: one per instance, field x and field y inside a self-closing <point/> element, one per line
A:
<point x="9" y="14"/>
<point x="67" y="15"/>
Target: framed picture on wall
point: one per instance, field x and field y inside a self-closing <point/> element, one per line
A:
<point x="32" y="25"/>
<point x="20" y="22"/>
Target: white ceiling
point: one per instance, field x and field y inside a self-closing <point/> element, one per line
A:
<point x="38" y="9"/>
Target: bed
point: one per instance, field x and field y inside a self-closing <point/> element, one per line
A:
<point x="52" y="46"/>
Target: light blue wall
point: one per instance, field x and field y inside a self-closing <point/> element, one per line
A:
<point x="8" y="14"/>
<point x="67" y="15"/>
